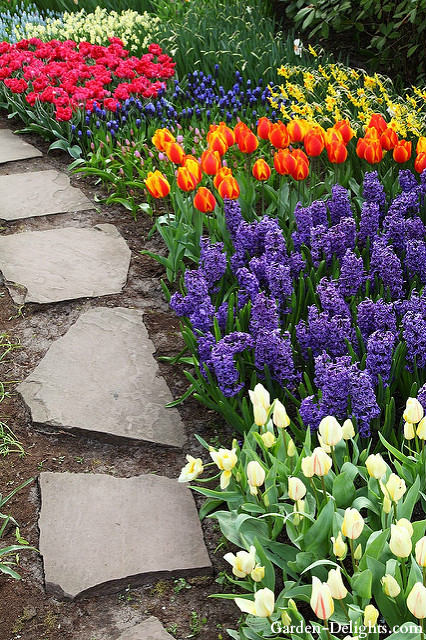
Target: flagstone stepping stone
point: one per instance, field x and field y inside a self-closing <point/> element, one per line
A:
<point x="12" y="147"/>
<point x="101" y="377"/>
<point x="99" y="534"/>
<point x="150" y="629"/>
<point x="39" y="193"/>
<point x="64" y="264"/>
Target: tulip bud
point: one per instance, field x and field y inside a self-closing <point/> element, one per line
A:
<point x="421" y="429"/>
<point x="353" y="524"/>
<point x="255" y="476"/>
<point x="395" y="487"/>
<point x="192" y="470"/>
<point x="421" y="552"/>
<point x="330" y="431"/>
<point x="321" y="600"/>
<point x="296" y="489"/>
<point x="258" y="574"/>
<point x="260" y="415"/>
<point x="409" y="432"/>
<point x="263" y="605"/>
<point x="292" y="605"/>
<point x="322" y="444"/>
<point x="285" y="619"/>
<point x="225" y="459"/>
<point x="376" y="466"/>
<point x="268" y="439"/>
<point x="371" y="616"/>
<point x="339" y="547"/>
<point x="321" y="462"/>
<point x="416" y="601"/>
<point x="279" y="415"/>
<point x="299" y="506"/>
<point x="414" y="411"/>
<point x="348" y="430"/>
<point x="387" y="505"/>
<point x="261" y="396"/>
<point x="337" y="588"/>
<point x="390" y="586"/>
<point x="291" y="448"/>
<point x="358" y="553"/>
<point x="243" y="563"/>
<point x="400" y="541"/>
<point x="308" y="467"/>
<point x="406" y="524"/>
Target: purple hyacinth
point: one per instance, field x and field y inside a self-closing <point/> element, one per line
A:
<point x="212" y="261"/>
<point x="332" y="377"/>
<point x="415" y="259"/>
<point x="311" y="412"/>
<point x="296" y="263"/>
<point x="205" y="346"/>
<point x="273" y="350"/>
<point x="320" y="243"/>
<point x="223" y="363"/>
<point x="414" y="333"/>
<point x="373" y="190"/>
<point x="303" y="217"/>
<point x="233" y="216"/>
<point x="264" y="314"/>
<point x="248" y="286"/>
<point x="352" y="274"/>
<point x="342" y="236"/>
<point x="331" y="299"/>
<point x="387" y="266"/>
<point x="275" y="247"/>
<point x="421" y="396"/>
<point x="222" y="316"/>
<point x="407" y="180"/>
<point x="363" y="400"/>
<point x="339" y="204"/>
<point x="280" y="283"/>
<point x="372" y="316"/>
<point x="320" y="332"/>
<point x="369" y="221"/>
<point x="380" y="347"/>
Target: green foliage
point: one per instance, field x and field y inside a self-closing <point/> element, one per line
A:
<point x="376" y="29"/>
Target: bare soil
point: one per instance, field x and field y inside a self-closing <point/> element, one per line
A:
<point x="181" y="605"/>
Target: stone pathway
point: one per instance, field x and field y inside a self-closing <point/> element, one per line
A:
<point x="98" y="533"/>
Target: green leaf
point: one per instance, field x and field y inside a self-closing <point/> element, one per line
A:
<point x="343" y="490"/>
<point x="320" y="532"/>
<point x="361" y="583"/>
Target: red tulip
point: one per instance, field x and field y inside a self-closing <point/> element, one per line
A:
<point x="284" y="162"/>
<point x="301" y="170"/>
<point x="344" y="126"/>
<point x="191" y="163"/>
<point x="297" y="129"/>
<point x="402" y="151"/>
<point x="157" y="184"/>
<point x="261" y="170"/>
<point x="238" y="129"/>
<point x="223" y="172"/>
<point x="388" y="139"/>
<point x="185" y="179"/>
<point x="337" y="152"/>
<point x="228" y="188"/>
<point x="161" y="137"/>
<point x="175" y="152"/>
<point x="204" y="200"/>
<point x="378" y="122"/>
<point x="279" y="136"/>
<point x="263" y="128"/>
<point x="217" y="142"/>
<point x="314" y="142"/>
<point x="247" y="141"/>
<point x="373" y="151"/>
<point x="420" y="162"/>
<point x="210" y="162"/>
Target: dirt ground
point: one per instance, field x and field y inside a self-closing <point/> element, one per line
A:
<point x="181" y="605"/>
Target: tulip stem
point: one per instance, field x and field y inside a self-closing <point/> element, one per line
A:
<point x="323" y="487"/>
<point x="344" y="607"/>
<point x="395" y="512"/>
<point x="328" y="630"/>
<point x="333" y="455"/>
<point x="315" y="493"/>
<point x="351" y="546"/>
<point x="424" y="576"/>
<point x="404" y="572"/>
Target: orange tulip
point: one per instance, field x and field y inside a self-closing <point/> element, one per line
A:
<point x="191" y="163"/>
<point x="420" y="162"/>
<point x="361" y="146"/>
<point x="261" y="170"/>
<point x="210" y="162"/>
<point x="345" y="129"/>
<point x="297" y="129"/>
<point x="298" y="153"/>
<point x="204" y="200"/>
<point x="421" y="145"/>
<point x="161" y="137"/>
<point x="175" y="152"/>
<point x="301" y="170"/>
<point x="223" y="172"/>
<point x="157" y="184"/>
<point x="333" y="135"/>
<point x="278" y="135"/>
<point x="378" y="122"/>
<point x="337" y="152"/>
<point x="185" y="179"/>
<point x="247" y="141"/>
<point x="263" y="128"/>
<point x="373" y="152"/>
<point x="314" y="142"/>
<point x="388" y="139"/>
<point x="217" y="142"/>
<point x="228" y="188"/>
<point x="227" y="133"/>
<point x="284" y="162"/>
<point x="239" y="127"/>
<point x="402" y="151"/>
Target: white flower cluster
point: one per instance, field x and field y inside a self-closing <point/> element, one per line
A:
<point x="134" y="29"/>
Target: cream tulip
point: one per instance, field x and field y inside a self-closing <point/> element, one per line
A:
<point x="308" y="467"/>
<point x="255" y="476"/>
<point x="321" y="462"/>
<point x="323" y="446"/>
<point x="387" y="505"/>
<point x="279" y="415"/>
<point x="321" y="600"/>
<point x="192" y="470"/>
<point x="260" y="415"/>
<point x="291" y="448"/>
<point x="421" y="552"/>
<point x="268" y="439"/>
<point x="353" y="524"/>
<point x="296" y="489"/>
<point x="260" y="396"/>
<point x="330" y="431"/>
<point x="406" y="524"/>
<point x="225" y="459"/>
<point x="416" y="601"/>
<point x="395" y="487"/>
<point x="409" y="432"/>
<point x="340" y="547"/>
<point x="376" y="466"/>
<point x="358" y="553"/>
<point x="243" y="562"/>
<point x="263" y="605"/>
<point x="421" y="429"/>
<point x="414" y="411"/>
<point x="400" y="542"/>
<point x="348" y="431"/>
<point x="337" y="588"/>
<point x="299" y="506"/>
<point x="371" y="615"/>
<point x="258" y="574"/>
<point x="390" y="586"/>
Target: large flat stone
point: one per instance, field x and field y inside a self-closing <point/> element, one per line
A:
<point x="64" y="264"/>
<point x="39" y="193"/>
<point x="150" y="629"/>
<point x="12" y="147"/>
<point x="101" y="376"/>
<point x="99" y="534"/>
